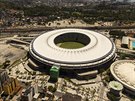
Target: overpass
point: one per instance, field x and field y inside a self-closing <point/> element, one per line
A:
<point x="126" y="51"/>
<point x="6" y="30"/>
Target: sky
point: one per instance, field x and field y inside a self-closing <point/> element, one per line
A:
<point x="133" y="0"/>
<point x="129" y="0"/>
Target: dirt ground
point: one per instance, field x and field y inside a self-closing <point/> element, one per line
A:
<point x="8" y="52"/>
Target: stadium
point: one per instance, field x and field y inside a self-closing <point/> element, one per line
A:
<point x="72" y="49"/>
<point x="124" y="72"/>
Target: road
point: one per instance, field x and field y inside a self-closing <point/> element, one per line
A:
<point x="126" y="51"/>
<point x="6" y="30"/>
<point x="101" y="94"/>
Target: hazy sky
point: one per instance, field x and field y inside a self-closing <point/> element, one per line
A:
<point x="133" y="0"/>
<point x="129" y="0"/>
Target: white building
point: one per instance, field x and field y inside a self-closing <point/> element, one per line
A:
<point x="128" y="42"/>
<point x="97" y="50"/>
<point x="124" y="72"/>
<point x="30" y="93"/>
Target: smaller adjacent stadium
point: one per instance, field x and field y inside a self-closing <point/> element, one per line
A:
<point x="72" y="49"/>
<point x="124" y="72"/>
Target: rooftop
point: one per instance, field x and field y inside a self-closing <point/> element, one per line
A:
<point x="124" y="72"/>
<point x="45" y="46"/>
<point x="115" y="85"/>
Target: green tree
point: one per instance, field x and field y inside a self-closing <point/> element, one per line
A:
<point x="52" y="89"/>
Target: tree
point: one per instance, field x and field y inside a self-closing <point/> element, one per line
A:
<point x="118" y="33"/>
<point x="87" y="99"/>
<point x="52" y="89"/>
<point x="122" y="56"/>
<point x="6" y="63"/>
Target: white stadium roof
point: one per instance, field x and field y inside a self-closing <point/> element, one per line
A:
<point x="98" y="50"/>
<point x="124" y="72"/>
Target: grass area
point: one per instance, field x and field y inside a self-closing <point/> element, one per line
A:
<point x="1" y="66"/>
<point x="71" y="45"/>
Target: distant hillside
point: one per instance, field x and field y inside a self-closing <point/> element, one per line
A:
<point x="30" y="3"/>
<point x="17" y="2"/>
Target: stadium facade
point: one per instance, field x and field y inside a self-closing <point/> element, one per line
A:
<point x="97" y="49"/>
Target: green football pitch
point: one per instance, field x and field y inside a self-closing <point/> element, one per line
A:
<point x="71" y="45"/>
